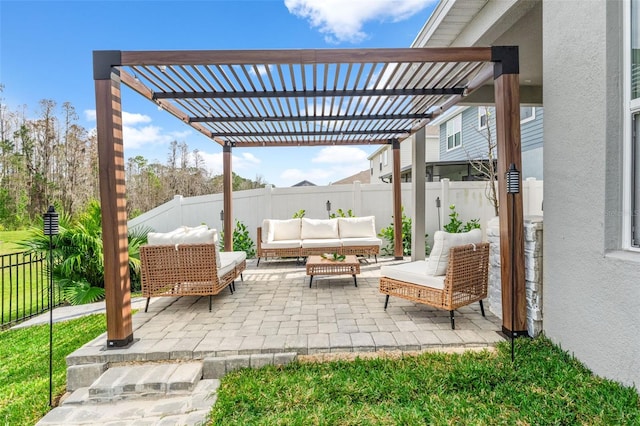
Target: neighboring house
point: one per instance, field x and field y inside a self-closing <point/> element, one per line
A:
<point x="464" y="136"/>
<point x="304" y="183"/>
<point x="591" y="160"/>
<point x="362" y="177"/>
<point x="381" y="160"/>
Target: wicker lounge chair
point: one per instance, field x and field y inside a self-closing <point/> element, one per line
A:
<point x="465" y="281"/>
<point x="185" y="268"/>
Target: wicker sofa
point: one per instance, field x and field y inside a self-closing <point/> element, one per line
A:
<point x="455" y="274"/>
<point x="302" y="237"/>
<point x="187" y="262"/>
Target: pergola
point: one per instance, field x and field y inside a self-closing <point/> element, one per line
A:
<point x="271" y="98"/>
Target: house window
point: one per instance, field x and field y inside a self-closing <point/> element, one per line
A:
<point x="527" y="114"/>
<point x="631" y="167"/>
<point x="483" y="116"/>
<point x="384" y="157"/>
<point x="371" y="166"/>
<point x="454" y="132"/>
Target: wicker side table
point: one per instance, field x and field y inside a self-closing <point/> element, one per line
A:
<point x="316" y="265"/>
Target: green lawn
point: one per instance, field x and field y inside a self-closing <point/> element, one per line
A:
<point x="24" y="370"/>
<point x="8" y="241"/>
<point x="23" y="288"/>
<point x="545" y="387"/>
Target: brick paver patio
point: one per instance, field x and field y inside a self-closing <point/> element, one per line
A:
<point x="275" y="311"/>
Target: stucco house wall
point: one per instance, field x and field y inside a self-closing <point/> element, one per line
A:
<point x="591" y="286"/>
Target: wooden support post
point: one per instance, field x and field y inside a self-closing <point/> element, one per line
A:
<point x="418" y="186"/>
<point x="507" y="97"/>
<point x="397" y="201"/>
<point x="112" y="199"/>
<point x="227" y="197"/>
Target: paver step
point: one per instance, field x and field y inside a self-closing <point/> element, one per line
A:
<point x="185" y="408"/>
<point x="140" y="381"/>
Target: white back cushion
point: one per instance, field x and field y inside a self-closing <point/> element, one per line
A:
<point x="357" y="227"/>
<point x="319" y="228"/>
<point x="287" y="229"/>
<point x="197" y="236"/>
<point x="442" y="243"/>
<point x="265" y="230"/>
<point x="164" y="238"/>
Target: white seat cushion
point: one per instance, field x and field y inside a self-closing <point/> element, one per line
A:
<point x="284" y="244"/>
<point x="359" y="242"/>
<point x="413" y="272"/>
<point x="279" y="230"/>
<point x="442" y="243"/>
<point x="226" y="269"/>
<point x="357" y="227"/>
<point x="237" y="257"/>
<point x="319" y="228"/>
<point x="321" y="242"/>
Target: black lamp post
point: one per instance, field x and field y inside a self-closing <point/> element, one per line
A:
<point x="329" y="208"/>
<point x="513" y="187"/>
<point x="50" y="229"/>
<point x="438" y="207"/>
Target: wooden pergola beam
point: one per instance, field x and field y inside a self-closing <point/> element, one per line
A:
<point x="306" y="56"/>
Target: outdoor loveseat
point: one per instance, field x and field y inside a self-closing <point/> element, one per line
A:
<point x="455" y="274"/>
<point x="187" y="262"/>
<point x="302" y="237"/>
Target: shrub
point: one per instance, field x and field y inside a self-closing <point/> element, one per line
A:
<point x="241" y="240"/>
<point x="456" y="226"/>
<point x="78" y="255"/>
<point x="388" y="234"/>
<point x="300" y="213"/>
<point x="341" y="213"/>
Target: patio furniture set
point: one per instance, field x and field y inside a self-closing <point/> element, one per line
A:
<point x="187" y="262"/>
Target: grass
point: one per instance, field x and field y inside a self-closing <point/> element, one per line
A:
<point x="8" y="240"/>
<point x="24" y="370"/>
<point x="18" y="292"/>
<point x="546" y="387"/>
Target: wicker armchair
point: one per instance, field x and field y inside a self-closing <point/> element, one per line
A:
<point x="465" y="282"/>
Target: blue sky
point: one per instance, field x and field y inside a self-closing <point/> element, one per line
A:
<point x="46" y="53"/>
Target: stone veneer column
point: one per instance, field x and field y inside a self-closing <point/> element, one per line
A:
<point x="533" y="271"/>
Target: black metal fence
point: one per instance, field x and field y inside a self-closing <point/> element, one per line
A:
<point x="24" y="287"/>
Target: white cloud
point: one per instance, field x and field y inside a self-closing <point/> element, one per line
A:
<point x="131" y="119"/>
<point x="90" y="115"/>
<point x="244" y="162"/>
<point x="340" y="155"/>
<point x="342" y="20"/>
<point x="293" y="176"/>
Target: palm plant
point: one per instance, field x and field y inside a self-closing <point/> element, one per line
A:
<point x="78" y="255"/>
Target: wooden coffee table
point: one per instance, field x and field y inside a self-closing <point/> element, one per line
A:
<point x="316" y="265"/>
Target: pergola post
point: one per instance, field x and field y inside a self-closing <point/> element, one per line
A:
<point x="112" y="198"/>
<point x="418" y="186"/>
<point x="227" y="189"/>
<point x="507" y="101"/>
<point x="397" y="201"/>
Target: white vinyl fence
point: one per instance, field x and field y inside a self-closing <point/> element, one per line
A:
<point x="252" y="206"/>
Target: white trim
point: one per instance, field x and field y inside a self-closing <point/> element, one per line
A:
<point x="531" y="118"/>
<point x="454" y="132"/>
<point x="483" y="111"/>
<point x="630" y="107"/>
